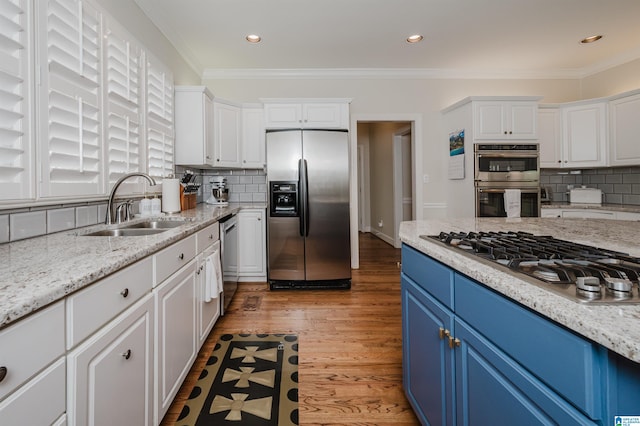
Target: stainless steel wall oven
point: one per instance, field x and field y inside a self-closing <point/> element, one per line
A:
<point x="498" y="167"/>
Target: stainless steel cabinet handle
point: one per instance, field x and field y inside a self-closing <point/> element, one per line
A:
<point x="3" y="373"/>
<point x="125" y="292"/>
<point x="127" y="354"/>
<point x="181" y="256"/>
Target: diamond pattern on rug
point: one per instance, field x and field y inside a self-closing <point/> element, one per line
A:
<point x="249" y="380"/>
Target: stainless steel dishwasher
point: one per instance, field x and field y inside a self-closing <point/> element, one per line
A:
<point x="229" y="247"/>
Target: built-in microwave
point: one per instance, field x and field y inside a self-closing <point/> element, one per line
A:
<point x="507" y="163"/>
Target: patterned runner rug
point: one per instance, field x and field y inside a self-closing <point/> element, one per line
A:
<point x="250" y="379"/>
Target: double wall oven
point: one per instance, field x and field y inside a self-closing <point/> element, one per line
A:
<point x="506" y="166"/>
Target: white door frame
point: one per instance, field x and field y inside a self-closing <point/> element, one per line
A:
<point x="416" y="170"/>
<point x="398" y="193"/>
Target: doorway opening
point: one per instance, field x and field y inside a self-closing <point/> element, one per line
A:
<point x="384" y="170"/>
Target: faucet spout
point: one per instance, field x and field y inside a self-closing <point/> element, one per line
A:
<point x="110" y="211"/>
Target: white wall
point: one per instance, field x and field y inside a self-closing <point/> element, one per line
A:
<point x="424" y="97"/>
<point x="613" y="81"/>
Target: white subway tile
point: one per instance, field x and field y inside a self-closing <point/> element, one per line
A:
<point x="61" y="219"/>
<point x="245" y="197"/>
<point x="259" y="197"/>
<point x="259" y="179"/>
<point x="26" y="225"/>
<point x="4" y="228"/>
<point x="102" y="213"/>
<point x="251" y="188"/>
<point x="86" y="215"/>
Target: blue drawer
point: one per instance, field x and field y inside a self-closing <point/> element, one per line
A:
<point x="566" y="362"/>
<point x="429" y="274"/>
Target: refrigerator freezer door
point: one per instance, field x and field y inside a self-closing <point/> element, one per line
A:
<point x="284" y="151"/>
<point x="284" y="235"/>
<point x="327" y="245"/>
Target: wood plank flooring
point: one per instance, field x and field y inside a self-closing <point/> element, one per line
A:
<point x="350" y="342"/>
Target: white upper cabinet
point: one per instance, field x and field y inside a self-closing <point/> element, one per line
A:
<point x="69" y="98"/>
<point x="16" y="147"/>
<point x="625" y="130"/>
<point x="584" y="135"/>
<point x="253" y="138"/>
<point x="227" y="130"/>
<point x="550" y="136"/>
<point x="194" y="126"/>
<point x="500" y="120"/>
<point x="309" y="114"/>
<point x="122" y="107"/>
<point x="159" y="112"/>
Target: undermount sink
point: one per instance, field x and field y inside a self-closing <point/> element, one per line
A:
<point x="137" y="229"/>
<point x="124" y="232"/>
<point x="156" y="224"/>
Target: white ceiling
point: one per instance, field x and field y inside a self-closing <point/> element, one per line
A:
<point x="461" y="36"/>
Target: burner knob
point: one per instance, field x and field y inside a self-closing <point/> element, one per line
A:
<point x="618" y="284"/>
<point x="590" y="284"/>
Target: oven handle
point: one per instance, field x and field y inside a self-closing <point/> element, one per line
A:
<point x="511" y="154"/>
<point x="501" y="190"/>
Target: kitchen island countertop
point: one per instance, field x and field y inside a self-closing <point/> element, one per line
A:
<point x="39" y="271"/>
<point x="616" y="327"/>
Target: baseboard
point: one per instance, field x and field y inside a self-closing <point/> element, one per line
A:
<point x="252" y="278"/>
<point x="384" y="237"/>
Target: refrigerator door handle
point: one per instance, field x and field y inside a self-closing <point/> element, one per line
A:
<point x="301" y="184"/>
<point x="306" y="200"/>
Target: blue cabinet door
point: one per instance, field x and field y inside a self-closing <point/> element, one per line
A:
<point x="427" y="360"/>
<point x="493" y="389"/>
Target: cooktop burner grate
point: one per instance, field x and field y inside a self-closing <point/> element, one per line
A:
<point x="578" y="271"/>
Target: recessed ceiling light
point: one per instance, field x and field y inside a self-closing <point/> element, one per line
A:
<point x="253" y="38"/>
<point x="414" y="38"/>
<point x="590" y="39"/>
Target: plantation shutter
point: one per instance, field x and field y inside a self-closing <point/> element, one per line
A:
<point x="70" y="92"/>
<point x="160" y="128"/>
<point x="16" y="155"/>
<point x="123" y="88"/>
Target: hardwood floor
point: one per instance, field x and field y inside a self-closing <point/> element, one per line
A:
<point x="350" y="342"/>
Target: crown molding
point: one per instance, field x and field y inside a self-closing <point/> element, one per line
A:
<point x="383" y="73"/>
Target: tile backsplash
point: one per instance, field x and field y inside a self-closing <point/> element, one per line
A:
<point x="244" y="185"/>
<point x="18" y="224"/>
<point x="620" y="185"/>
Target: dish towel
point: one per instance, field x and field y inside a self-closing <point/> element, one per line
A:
<point x="512" y="202"/>
<point x="213" y="277"/>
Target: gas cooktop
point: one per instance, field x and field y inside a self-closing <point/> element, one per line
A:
<point x="579" y="272"/>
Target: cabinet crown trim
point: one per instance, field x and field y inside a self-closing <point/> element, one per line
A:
<point x="304" y="100"/>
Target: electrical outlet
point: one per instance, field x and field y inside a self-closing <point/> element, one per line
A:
<point x="425" y="179"/>
<point x="380" y="223"/>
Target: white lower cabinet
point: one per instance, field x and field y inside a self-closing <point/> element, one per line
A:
<point x="176" y="348"/>
<point x="40" y="402"/>
<point x="589" y="214"/>
<point x="110" y="376"/>
<point x="252" y="245"/>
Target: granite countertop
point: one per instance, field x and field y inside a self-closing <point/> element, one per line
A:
<point x="39" y="271"/>
<point x="616" y="327"/>
<point x="610" y="207"/>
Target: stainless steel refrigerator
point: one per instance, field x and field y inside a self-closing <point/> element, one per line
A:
<point x="308" y="221"/>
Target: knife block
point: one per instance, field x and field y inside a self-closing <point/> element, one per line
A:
<point x="187" y="201"/>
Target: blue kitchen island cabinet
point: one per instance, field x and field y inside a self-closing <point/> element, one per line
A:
<point x="474" y="357"/>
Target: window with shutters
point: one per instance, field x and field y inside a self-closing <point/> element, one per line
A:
<point x="123" y="105"/>
<point x="16" y="151"/>
<point x="69" y="98"/>
<point x="160" y="128"/>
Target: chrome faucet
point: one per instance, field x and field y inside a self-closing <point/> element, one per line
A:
<point x="110" y="210"/>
